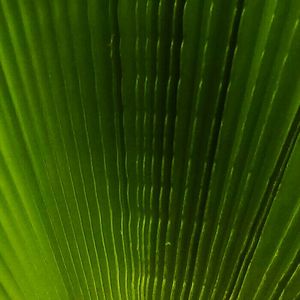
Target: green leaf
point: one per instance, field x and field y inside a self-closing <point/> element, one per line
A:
<point x="149" y="149"/>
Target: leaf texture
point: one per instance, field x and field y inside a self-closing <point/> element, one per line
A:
<point x="149" y="149"/>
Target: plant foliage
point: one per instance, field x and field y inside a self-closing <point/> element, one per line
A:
<point x="149" y="149"/>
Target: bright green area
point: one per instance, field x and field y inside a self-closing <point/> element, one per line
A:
<point x="149" y="149"/>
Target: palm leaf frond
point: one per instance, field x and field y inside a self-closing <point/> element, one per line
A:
<point x="149" y="149"/>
